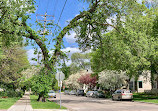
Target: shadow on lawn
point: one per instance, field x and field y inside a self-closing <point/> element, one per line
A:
<point x="144" y="97"/>
<point x="2" y="100"/>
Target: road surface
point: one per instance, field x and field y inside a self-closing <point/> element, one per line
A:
<point x="80" y="103"/>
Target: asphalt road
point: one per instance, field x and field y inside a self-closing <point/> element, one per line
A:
<point x="80" y="103"/>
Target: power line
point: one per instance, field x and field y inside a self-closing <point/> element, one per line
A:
<point x="62" y="11"/>
<point x="60" y="16"/>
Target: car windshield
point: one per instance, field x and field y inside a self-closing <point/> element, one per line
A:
<point x="51" y="92"/>
<point x="126" y="91"/>
<point x="80" y="91"/>
<point x="89" y="91"/>
<point x="72" y="91"/>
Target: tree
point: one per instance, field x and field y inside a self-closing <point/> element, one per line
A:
<point x="72" y="81"/>
<point x="89" y="24"/>
<point x="82" y="60"/>
<point x="79" y="62"/>
<point x="132" y="48"/>
<point x="74" y="68"/>
<point x="88" y="80"/>
<point x="11" y="65"/>
<point x="27" y="74"/>
<point x="66" y="70"/>
<point x="41" y="83"/>
<point x="110" y="79"/>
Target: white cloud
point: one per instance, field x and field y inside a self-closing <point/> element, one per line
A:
<point x="71" y="38"/>
<point x="71" y="50"/>
<point x="68" y="50"/>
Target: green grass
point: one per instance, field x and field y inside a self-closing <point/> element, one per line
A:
<point x="145" y="98"/>
<point x="43" y="105"/>
<point x="6" y="103"/>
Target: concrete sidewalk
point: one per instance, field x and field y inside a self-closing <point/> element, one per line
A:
<point x="22" y="104"/>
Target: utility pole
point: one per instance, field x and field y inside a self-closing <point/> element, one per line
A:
<point x="45" y="21"/>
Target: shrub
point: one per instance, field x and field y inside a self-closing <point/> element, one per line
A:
<point x="12" y="93"/>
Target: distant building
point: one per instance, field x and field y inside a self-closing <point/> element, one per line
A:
<point x="143" y="84"/>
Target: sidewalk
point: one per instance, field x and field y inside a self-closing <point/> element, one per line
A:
<point x="23" y="104"/>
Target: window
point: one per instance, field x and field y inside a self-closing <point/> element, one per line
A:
<point x="155" y="85"/>
<point x="140" y="84"/>
<point x="131" y="85"/>
<point x="118" y="91"/>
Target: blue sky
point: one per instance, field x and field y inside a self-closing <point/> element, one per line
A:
<point x="54" y="7"/>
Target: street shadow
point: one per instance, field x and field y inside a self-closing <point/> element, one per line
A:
<point x="77" y="101"/>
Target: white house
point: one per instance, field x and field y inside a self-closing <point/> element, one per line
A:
<point x="143" y="83"/>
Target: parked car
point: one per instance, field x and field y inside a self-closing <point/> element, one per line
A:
<point x="73" y="92"/>
<point x="52" y="94"/>
<point x="80" y="92"/>
<point x="98" y="94"/>
<point x="89" y="93"/>
<point x="122" y="94"/>
<point x="66" y="92"/>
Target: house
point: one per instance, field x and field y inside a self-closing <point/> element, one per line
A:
<point x="143" y="84"/>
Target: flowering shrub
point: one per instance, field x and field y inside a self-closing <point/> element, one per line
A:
<point x="88" y="80"/>
<point x="72" y="82"/>
<point x="110" y="79"/>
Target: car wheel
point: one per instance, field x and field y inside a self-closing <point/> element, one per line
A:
<point x="130" y="100"/>
<point x="119" y="99"/>
<point x="112" y="98"/>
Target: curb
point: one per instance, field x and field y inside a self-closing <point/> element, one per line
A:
<point x="50" y="110"/>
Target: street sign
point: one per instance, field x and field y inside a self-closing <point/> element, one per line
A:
<point x="60" y="76"/>
<point x="60" y="83"/>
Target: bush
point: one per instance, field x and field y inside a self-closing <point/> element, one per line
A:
<point x="12" y="93"/>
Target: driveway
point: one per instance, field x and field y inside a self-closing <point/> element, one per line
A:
<point x="80" y="103"/>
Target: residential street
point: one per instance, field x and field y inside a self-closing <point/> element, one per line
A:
<point x="80" y="103"/>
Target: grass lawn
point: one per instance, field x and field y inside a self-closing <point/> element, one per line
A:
<point x="145" y="98"/>
<point x="6" y="103"/>
<point x="43" y="105"/>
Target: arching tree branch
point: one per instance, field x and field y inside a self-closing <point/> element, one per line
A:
<point x="73" y="23"/>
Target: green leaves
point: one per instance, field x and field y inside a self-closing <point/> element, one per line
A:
<point x="42" y="82"/>
<point x="155" y="27"/>
<point x="130" y="48"/>
<point x="11" y="65"/>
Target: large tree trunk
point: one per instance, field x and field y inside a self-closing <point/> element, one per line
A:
<point x="41" y="98"/>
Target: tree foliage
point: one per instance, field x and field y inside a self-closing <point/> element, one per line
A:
<point x="88" y="80"/>
<point x="89" y="25"/>
<point x="110" y="79"/>
<point x="79" y="62"/>
<point x="42" y="83"/>
<point x="14" y="61"/>
<point x="131" y="48"/>
<point x="72" y="81"/>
